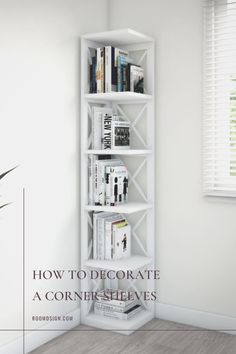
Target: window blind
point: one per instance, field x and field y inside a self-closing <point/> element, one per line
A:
<point x="219" y="142"/>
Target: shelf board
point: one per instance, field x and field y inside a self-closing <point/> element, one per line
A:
<point x="118" y="37"/>
<point x="119" y="152"/>
<point x="126" y="208"/>
<point x="114" y="324"/>
<point x="118" y="96"/>
<point x="131" y="263"/>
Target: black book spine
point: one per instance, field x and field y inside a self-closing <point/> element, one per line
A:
<point x="128" y="77"/>
<point x="113" y="75"/>
<point x="91" y="78"/>
<point x="94" y="63"/>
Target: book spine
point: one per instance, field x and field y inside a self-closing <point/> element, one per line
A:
<point x="124" y="77"/>
<point x="102" y="63"/>
<point x="114" y="308"/>
<point x="91" y="178"/>
<point x="108" y="186"/>
<point x="119" y="315"/>
<point x="114" y="188"/>
<point x="125" y="188"/>
<point x="100" y="238"/>
<point x="98" y="71"/>
<point x="96" y="196"/>
<point x="108" y="240"/>
<point x="106" y="131"/>
<point x="128" y="77"/>
<point x="91" y="78"/>
<point x="113" y="75"/>
<point x="94" y="236"/>
<point x="101" y="183"/>
<point x="108" y="69"/>
<point x="94" y="68"/>
<point x="119" y="74"/>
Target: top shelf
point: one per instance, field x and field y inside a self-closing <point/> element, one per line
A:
<point x="118" y="96"/>
<point x="118" y="37"/>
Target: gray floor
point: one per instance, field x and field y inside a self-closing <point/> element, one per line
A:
<point x="161" y="337"/>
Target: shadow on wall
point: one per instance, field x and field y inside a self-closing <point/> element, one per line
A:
<point x="1" y="176"/>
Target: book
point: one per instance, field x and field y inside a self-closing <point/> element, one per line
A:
<point x="110" y="84"/>
<point x="136" y="77"/>
<point x="100" y="71"/>
<point x="119" y="315"/>
<point x="121" y="65"/>
<point x="109" y="222"/>
<point x="100" y="179"/>
<point x="98" y="235"/>
<point x="120" y="135"/>
<point x="118" y="184"/>
<point x="115" y="297"/>
<point x="120" y="56"/>
<point x="121" y="240"/>
<point x="114" y="308"/>
<point x="106" y="131"/>
<point x="91" y="162"/>
<point x="97" y="114"/>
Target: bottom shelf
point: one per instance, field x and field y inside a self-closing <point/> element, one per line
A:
<point x="116" y="325"/>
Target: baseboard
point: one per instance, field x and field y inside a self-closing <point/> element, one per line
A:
<point x="47" y="332"/>
<point x="196" y="318"/>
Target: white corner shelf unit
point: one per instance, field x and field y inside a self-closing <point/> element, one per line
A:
<point x="138" y="109"/>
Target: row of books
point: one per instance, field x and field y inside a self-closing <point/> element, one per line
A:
<point x="108" y="180"/>
<point x="112" y="69"/>
<point x="109" y="131"/>
<point x="111" y="236"/>
<point x="120" y="307"/>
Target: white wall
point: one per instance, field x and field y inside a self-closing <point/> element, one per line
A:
<point x="39" y="111"/>
<point x="196" y="235"/>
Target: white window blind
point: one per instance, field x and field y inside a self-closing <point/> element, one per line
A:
<point x="219" y="155"/>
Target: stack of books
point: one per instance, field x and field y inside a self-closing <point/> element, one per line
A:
<point x="118" y="307"/>
<point x="108" y="180"/>
<point x="111" y="236"/>
<point x="109" y="131"/>
<point x="111" y="69"/>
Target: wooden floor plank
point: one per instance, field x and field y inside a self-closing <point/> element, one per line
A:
<point x="158" y="336"/>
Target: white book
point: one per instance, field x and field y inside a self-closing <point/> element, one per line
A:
<point x="136" y="79"/>
<point x="108" y="66"/>
<point x="101" y="235"/>
<point x="120" y="135"/>
<point x="91" y="161"/>
<point x="97" y="114"/>
<point x="119" y="315"/>
<point x="119" y="185"/>
<point x="108" y="185"/>
<point x="110" y="79"/>
<point x="115" y="297"/>
<point x="114" y="308"/>
<point x="106" y="131"/>
<point x="100" y="168"/>
<point x="108" y="234"/>
<point x="121" y="240"/>
<point x="97" y="234"/>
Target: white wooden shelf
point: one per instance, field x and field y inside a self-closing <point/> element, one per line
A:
<point x="118" y="96"/>
<point x="139" y="110"/>
<point x="118" y="37"/>
<point x="119" y="152"/>
<point x="126" y="208"/>
<point x="131" y="263"/>
<point x="124" y="327"/>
